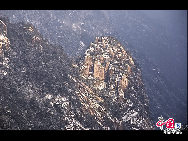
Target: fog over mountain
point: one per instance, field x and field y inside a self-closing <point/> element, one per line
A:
<point x="156" y="39"/>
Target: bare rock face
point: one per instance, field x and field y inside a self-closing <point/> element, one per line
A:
<point x="111" y="73"/>
<point x="107" y="61"/>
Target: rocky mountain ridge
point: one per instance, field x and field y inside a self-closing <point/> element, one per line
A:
<point x="41" y="88"/>
<point x="112" y="73"/>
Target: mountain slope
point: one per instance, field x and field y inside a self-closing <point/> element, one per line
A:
<point x="34" y="74"/>
<point x="65" y="27"/>
<point x="41" y="88"/>
<point x="112" y="74"/>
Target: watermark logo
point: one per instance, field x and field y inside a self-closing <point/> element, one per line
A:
<point x="171" y="126"/>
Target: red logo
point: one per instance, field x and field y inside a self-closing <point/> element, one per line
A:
<point x="169" y="123"/>
<point x="171" y="127"/>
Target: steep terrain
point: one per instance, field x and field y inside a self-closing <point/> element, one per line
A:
<point x="110" y="71"/>
<point x="41" y="88"/>
<point x="73" y="29"/>
<point x="34" y="87"/>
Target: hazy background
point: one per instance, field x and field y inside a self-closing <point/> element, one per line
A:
<point x="157" y="39"/>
